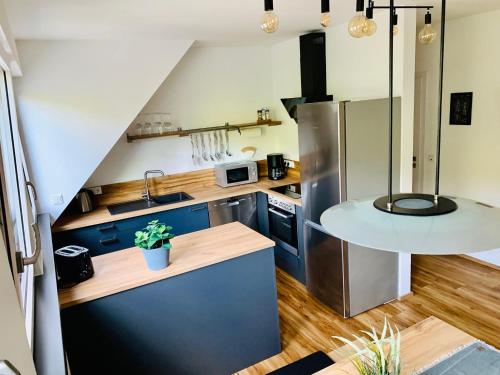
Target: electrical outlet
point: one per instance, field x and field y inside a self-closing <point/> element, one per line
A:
<point x="291" y="163"/>
<point x="56" y="199"/>
<point x="97" y="190"/>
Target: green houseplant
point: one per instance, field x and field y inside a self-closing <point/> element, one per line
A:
<point x="154" y="241"/>
<point x="378" y="356"/>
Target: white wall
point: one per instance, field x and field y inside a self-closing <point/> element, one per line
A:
<point x="75" y="100"/>
<point x="470" y="160"/>
<point x="210" y="86"/>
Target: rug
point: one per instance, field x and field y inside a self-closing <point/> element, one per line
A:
<point x="477" y="358"/>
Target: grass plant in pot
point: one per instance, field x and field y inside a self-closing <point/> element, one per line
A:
<point x="154" y="241"/>
<point x="378" y="355"/>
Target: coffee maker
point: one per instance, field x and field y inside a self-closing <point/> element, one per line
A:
<point x="276" y="166"/>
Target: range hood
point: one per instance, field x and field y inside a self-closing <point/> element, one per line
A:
<point x="312" y="73"/>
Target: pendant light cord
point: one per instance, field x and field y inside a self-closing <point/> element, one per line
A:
<point x="391" y="97"/>
<point x="440" y="103"/>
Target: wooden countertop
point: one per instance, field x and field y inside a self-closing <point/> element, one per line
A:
<point x="126" y="269"/>
<point x="421" y="345"/>
<point x="101" y="214"/>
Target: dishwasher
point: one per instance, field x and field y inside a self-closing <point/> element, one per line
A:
<point x="242" y="208"/>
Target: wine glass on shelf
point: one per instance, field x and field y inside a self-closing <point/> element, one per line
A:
<point x="167" y="122"/>
<point x="157" y="124"/>
<point x="148" y="127"/>
<point x="138" y="125"/>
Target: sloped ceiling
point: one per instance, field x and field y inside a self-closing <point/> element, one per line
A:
<point x="75" y="100"/>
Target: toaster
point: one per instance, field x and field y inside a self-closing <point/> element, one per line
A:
<point x="73" y="265"/>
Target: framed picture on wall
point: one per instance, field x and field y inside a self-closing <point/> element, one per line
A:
<point x="461" y="108"/>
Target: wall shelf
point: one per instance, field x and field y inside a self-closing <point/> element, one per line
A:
<point x="185" y="133"/>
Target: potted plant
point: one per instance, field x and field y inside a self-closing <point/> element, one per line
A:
<point x="154" y="241"/>
<point x="378" y="356"/>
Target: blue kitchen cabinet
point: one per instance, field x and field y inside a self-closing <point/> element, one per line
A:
<point x="117" y="235"/>
<point x="217" y="319"/>
<point x="289" y="263"/>
<point x="262" y="214"/>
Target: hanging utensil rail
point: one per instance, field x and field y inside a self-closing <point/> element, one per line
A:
<point x="185" y="133"/>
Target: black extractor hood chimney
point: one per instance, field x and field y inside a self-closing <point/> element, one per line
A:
<point x="312" y="73"/>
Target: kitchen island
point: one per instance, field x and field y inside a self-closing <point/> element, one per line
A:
<point x="212" y="311"/>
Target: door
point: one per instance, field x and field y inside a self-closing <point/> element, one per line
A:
<point x="321" y="151"/>
<point x="325" y="270"/>
<point x="242" y="209"/>
<point x="419" y="133"/>
<point x="322" y="156"/>
<point x="14" y="345"/>
<point x="283" y="228"/>
<point x="16" y="240"/>
<point x="372" y="274"/>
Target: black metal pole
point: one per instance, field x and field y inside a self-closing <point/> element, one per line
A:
<point x="391" y="97"/>
<point x="360" y="5"/>
<point x="404" y="7"/>
<point x="325" y="6"/>
<point x="440" y="102"/>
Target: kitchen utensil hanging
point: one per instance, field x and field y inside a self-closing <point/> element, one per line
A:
<point x="193" y="157"/>
<point x="221" y="145"/>
<point x="228" y="153"/>
<point x="216" y="141"/>
<point x="203" y="147"/>
<point x="210" y="147"/>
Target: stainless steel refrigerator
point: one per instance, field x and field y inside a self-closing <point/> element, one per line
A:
<point x="343" y="155"/>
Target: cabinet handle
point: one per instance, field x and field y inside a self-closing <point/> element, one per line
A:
<point x="108" y="241"/>
<point x="198" y="209"/>
<point x="106" y="227"/>
<point x="22" y="261"/>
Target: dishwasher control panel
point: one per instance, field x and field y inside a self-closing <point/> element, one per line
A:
<point x="281" y="203"/>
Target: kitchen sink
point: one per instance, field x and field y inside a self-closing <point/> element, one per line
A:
<point x="141" y="204"/>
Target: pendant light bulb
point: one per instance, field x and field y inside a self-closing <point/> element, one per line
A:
<point x="428" y="33"/>
<point x="325" y="13"/>
<point x="370" y="27"/>
<point x="357" y="25"/>
<point x="326" y="19"/>
<point x="269" y="22"/>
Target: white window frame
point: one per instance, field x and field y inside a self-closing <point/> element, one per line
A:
<point x="20" y="199"/>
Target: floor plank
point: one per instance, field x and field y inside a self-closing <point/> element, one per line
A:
<point x="457" y="290"/>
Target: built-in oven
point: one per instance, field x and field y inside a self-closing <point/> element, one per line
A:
<point x="283" y="224"/>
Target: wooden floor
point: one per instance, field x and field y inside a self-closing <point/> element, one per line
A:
<point x="459" y="291"/>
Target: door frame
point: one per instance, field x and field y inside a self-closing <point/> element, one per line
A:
<point x="419" y="130"/>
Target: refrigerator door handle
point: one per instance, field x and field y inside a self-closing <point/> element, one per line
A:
<point x="316" y="226"/>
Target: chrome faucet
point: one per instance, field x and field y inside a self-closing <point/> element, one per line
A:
<point x="147" y="195"/>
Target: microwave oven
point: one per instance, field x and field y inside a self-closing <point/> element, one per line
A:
<point x="238" y="173"/>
